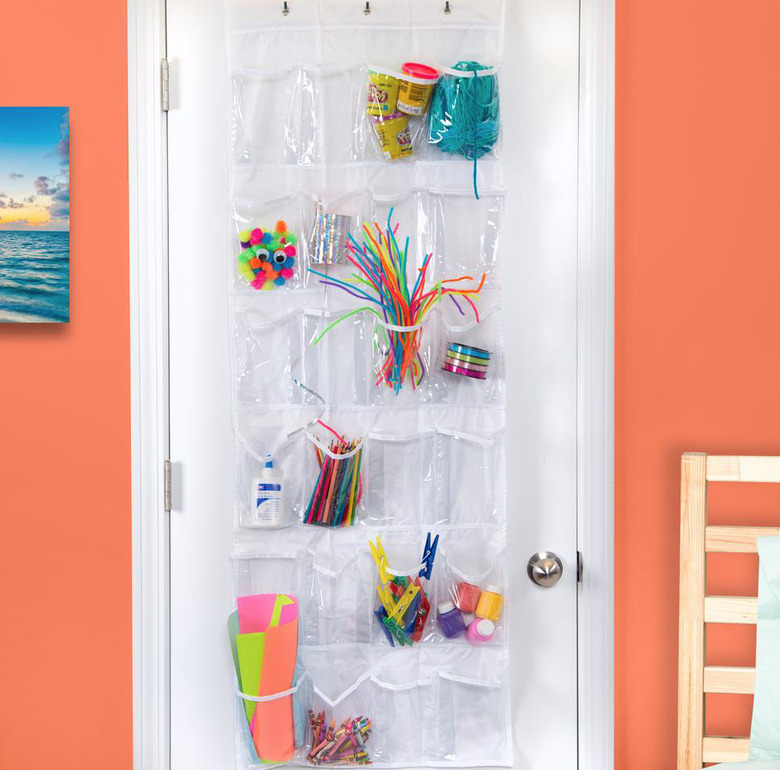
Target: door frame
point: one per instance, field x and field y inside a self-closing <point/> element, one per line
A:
<point x="147" y="134"/>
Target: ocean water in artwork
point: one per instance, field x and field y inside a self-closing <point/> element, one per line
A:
<point x="34" y="276"/>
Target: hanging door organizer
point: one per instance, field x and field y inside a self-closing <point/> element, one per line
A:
<point x="369" y="521"/>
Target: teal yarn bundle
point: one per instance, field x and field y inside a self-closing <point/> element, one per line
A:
<point x="463" y="116"/>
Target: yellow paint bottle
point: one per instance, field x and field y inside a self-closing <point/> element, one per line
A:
<point x="490" y="604"/>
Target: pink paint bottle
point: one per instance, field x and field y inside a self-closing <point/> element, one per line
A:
<point x="480" y="631"/>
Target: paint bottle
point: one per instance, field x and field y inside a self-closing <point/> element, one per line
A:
<point x="467" y="597"/>
<point x="480" y="631"/>
<point x="451" y="621"/>
<point x="267" y="507"/>
<point x="490" y="604"/>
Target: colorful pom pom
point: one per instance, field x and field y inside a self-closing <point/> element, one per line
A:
<point x="267" y="258"/>
<point x="246" y="272"/>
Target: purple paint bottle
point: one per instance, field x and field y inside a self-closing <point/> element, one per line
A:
<point x="451" y="621"/>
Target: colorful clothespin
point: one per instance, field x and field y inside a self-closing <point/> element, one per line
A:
<point x="387" y="600"/>
<point x="378" y="552"/>
<point x="422" y="617"/>
<point x="403" y="603"/>
<point x="380" y="616"/>
<point x="396" y="631"/>
<point x="429" y="554"/>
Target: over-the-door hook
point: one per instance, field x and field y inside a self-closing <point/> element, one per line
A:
<point x="286" y="9"/>
<point x="447" y="8"/>
<point x="367" y="9"/>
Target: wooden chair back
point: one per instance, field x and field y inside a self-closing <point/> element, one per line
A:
<point x="697" y="609"/>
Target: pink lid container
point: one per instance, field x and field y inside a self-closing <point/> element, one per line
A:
<point x="422" y="71"/>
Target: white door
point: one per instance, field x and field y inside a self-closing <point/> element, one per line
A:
<point x="540" y="124"/>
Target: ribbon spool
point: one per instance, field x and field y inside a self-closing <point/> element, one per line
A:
<point x="329" y="237"/>
<point x="466" y="361"/>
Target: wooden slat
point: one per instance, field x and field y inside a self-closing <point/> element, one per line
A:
<point x="740" y="468"/>
<point x="729" y="679"/>
<point x="731" y="609"/>
<point x="736" y="539"/>
<point x="690" y="702"/>
<point x="717" y="749"/>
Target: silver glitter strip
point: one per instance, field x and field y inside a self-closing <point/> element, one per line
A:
<point x="329" y="238"/>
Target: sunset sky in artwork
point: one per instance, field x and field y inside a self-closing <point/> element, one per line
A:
<point x="34" y="168"/>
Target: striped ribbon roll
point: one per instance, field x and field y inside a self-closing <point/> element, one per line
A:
<point x="466" y="361"/>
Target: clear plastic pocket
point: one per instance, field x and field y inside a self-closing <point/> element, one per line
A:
<point x="335" y="492"/>
<point x="470" y="591"/>
<point x="340" y="599"/>
<point x="403" y="598"/>
<point x="266" y="353"/>
<point x="344" y="135"/>
<point x="269" y="249"/>
<point x="467" y="484"/>
<point x="469" y="368"/>
<point x="412" y="211"/>
<point x="400" y="710"/>
<point x="467" y="233"/>
<point x="402" y="489"/>
<point x="272" y="121"/>
<point x="473" y="721"/>
<point x="350" y="712"/>
<point x="254" y="448"/>
<point x="335" y="361"/>
<point x="403" y="357"/>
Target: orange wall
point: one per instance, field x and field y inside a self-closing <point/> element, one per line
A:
<point x="65" y="559"/>
<point x="697" y="319"/>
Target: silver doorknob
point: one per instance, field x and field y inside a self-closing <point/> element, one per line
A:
<point x="545" y="569"/>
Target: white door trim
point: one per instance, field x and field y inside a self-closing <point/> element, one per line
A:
<point x="595" y="383"/>
<point x="149" y="382"/>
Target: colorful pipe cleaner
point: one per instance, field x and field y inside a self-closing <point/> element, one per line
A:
<point x="381" y="279"/>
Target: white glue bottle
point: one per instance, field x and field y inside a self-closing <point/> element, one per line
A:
<point x="267" y="508"/>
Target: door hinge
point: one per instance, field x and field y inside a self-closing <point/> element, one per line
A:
<point x="579" y="566"/>
<point x="167" y="496"/>
<point x="165" y="92"/>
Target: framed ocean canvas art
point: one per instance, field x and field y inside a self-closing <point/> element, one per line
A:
<point x="34" y="215"/>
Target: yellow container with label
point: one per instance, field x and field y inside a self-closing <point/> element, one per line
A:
<point x="395" y="139"/>
<point x="416" y="86"/>
<point x="490" y="604"/>
<point x="382" y="98"/>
